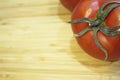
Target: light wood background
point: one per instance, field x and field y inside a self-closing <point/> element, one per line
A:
<point x="36" y="43"/>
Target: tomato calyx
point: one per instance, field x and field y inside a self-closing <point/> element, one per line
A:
<point x="98" y="24"/>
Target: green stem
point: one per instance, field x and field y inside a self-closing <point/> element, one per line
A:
<point x="82" y="32"/>
<point x="101" y="9"/>
<point x="81" y="20"/>
<point x="98" y="43"/>
<point x="108" y="10"/>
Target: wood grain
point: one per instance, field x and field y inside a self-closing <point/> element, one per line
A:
<point x="37" y="43"/>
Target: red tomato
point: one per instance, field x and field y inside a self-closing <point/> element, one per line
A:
<point x="89" y="9"/>
<point x="69" y="4"/>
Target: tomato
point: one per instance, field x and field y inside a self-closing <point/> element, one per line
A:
<point x="69" y="4"/>
<point x="103" y="44"/>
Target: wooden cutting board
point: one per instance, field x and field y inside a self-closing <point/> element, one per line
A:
<point x="36" y="43"/>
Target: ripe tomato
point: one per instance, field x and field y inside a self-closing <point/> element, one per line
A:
<point x="110" y="43"/>
<point x="69" y="4"/>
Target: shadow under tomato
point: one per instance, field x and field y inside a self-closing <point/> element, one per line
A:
<point x="93" y="64"/>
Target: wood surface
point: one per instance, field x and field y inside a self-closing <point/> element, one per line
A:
<point x="37" y="43"/>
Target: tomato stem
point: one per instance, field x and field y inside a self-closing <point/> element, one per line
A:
<point x="82" y="32"/>
<point x="103" y="13"/>
<point x="98" y="43"/>
<point x="98" y="24"/>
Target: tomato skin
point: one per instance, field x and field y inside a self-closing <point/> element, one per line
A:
<point x="69" y="4"/>
<point x="86" y="42"/>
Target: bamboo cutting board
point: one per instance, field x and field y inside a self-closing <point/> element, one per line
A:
<point x="36" y="43"/>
